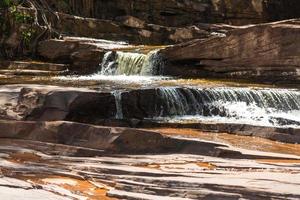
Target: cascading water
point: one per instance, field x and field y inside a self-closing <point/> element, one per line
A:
<point x="128" y="63"/>
<point x="118" y="100"/>
<point x="268" y="107"/>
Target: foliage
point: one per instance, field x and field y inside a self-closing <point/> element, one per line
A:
<point x="27" y="36"/>
<point x="21" y="17"/>
<point x="28" y="20"/>
<point x="5" y="3"/>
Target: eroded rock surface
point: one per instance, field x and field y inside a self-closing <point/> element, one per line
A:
<point x="265" y="53"/>
<point x="42" y="103"/>
<point x="138" y="108"/>
<point x="133" y="30"/>
<point x="178" y="13"/>
<point x="108" y="139"/>
<point x="288" y="135"/>
<point x="26" y="170"/>
<point x="51" y="142"/>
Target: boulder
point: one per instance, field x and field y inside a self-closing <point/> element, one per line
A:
<point x="62" y="50"/>
<point x="47" y="103"/>
<point x="82" y="56"/>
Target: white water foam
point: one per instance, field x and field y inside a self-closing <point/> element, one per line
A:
<point x="244" y="114"/>
<point x="114" y="78"/>
<point x="265" y="107"/>
<point x="128" y="63"/>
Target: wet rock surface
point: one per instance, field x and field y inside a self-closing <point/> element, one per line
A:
<point x="141" y="108"/>
<point x="138" y="22"/>
<point x="288" y="135"/>
<point x="189" y="138"/>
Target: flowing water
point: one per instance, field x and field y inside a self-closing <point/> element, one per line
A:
<point x="118" y="97"/>
<point x="266" y="107"/>
<point x="128" y="63"/>
<point x="183" y="100"/>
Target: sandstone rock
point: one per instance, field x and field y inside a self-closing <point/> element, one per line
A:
<point x="62" y="50"/>
<point x="33" y="170"/>
<point x="32" y="65"/>
<point x="49" y="103"/>
<point x="12" y="188"/>
<point x="28" y="72"/>
<point x="287" y="135"/>
<point x="168" y="13"/>
<point x="140" y="104"/>
<point x="88" y="27"/>
<point x="82" y="56"/>
<point x="264" y="53"/>
<point x="132" y="22"/>
<point x="182" y="13"/>
<point x="108" y="139"/>
<point x="130" y="29"/>
<point x="86" y="61"/>
<point x="36" y="102"/>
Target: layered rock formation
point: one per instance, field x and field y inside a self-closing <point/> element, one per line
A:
<point x="138" y="109"/>
<point x="181" y="13"/>
<point x="71" y="79"/>
<point x="265" y="53"/>
<point x="108" y="140"/>
<point x="133" y="30"/>
<point x="47" y="103"/>
<point x="33" y="170"/>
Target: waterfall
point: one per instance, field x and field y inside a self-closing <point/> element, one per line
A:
<point x="118" y="100"/>
<point x="128" y="63"/>
<point x="176" y="102"/>
<point x="108" y="65"/>
<point x="267" y="106"/>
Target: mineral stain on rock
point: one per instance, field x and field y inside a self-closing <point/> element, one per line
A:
<point x="135" y="99"/>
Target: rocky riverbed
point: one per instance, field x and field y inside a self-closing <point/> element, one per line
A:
<point x="31" y="170"/>
<point x="149" y="100"/>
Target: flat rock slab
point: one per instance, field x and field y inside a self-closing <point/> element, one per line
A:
<point x="32" y="65"/>
<point x="15" y="189"/>
<point x="109" y="139"/>
<point x="287" y="135"/>
<point x="172" y="176"/>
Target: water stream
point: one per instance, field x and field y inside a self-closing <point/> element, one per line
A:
<point x="118" y="96"/>
<point x="266" y="107"/>
<point x="128" y="63"/>
<point x="195" y="102"/>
